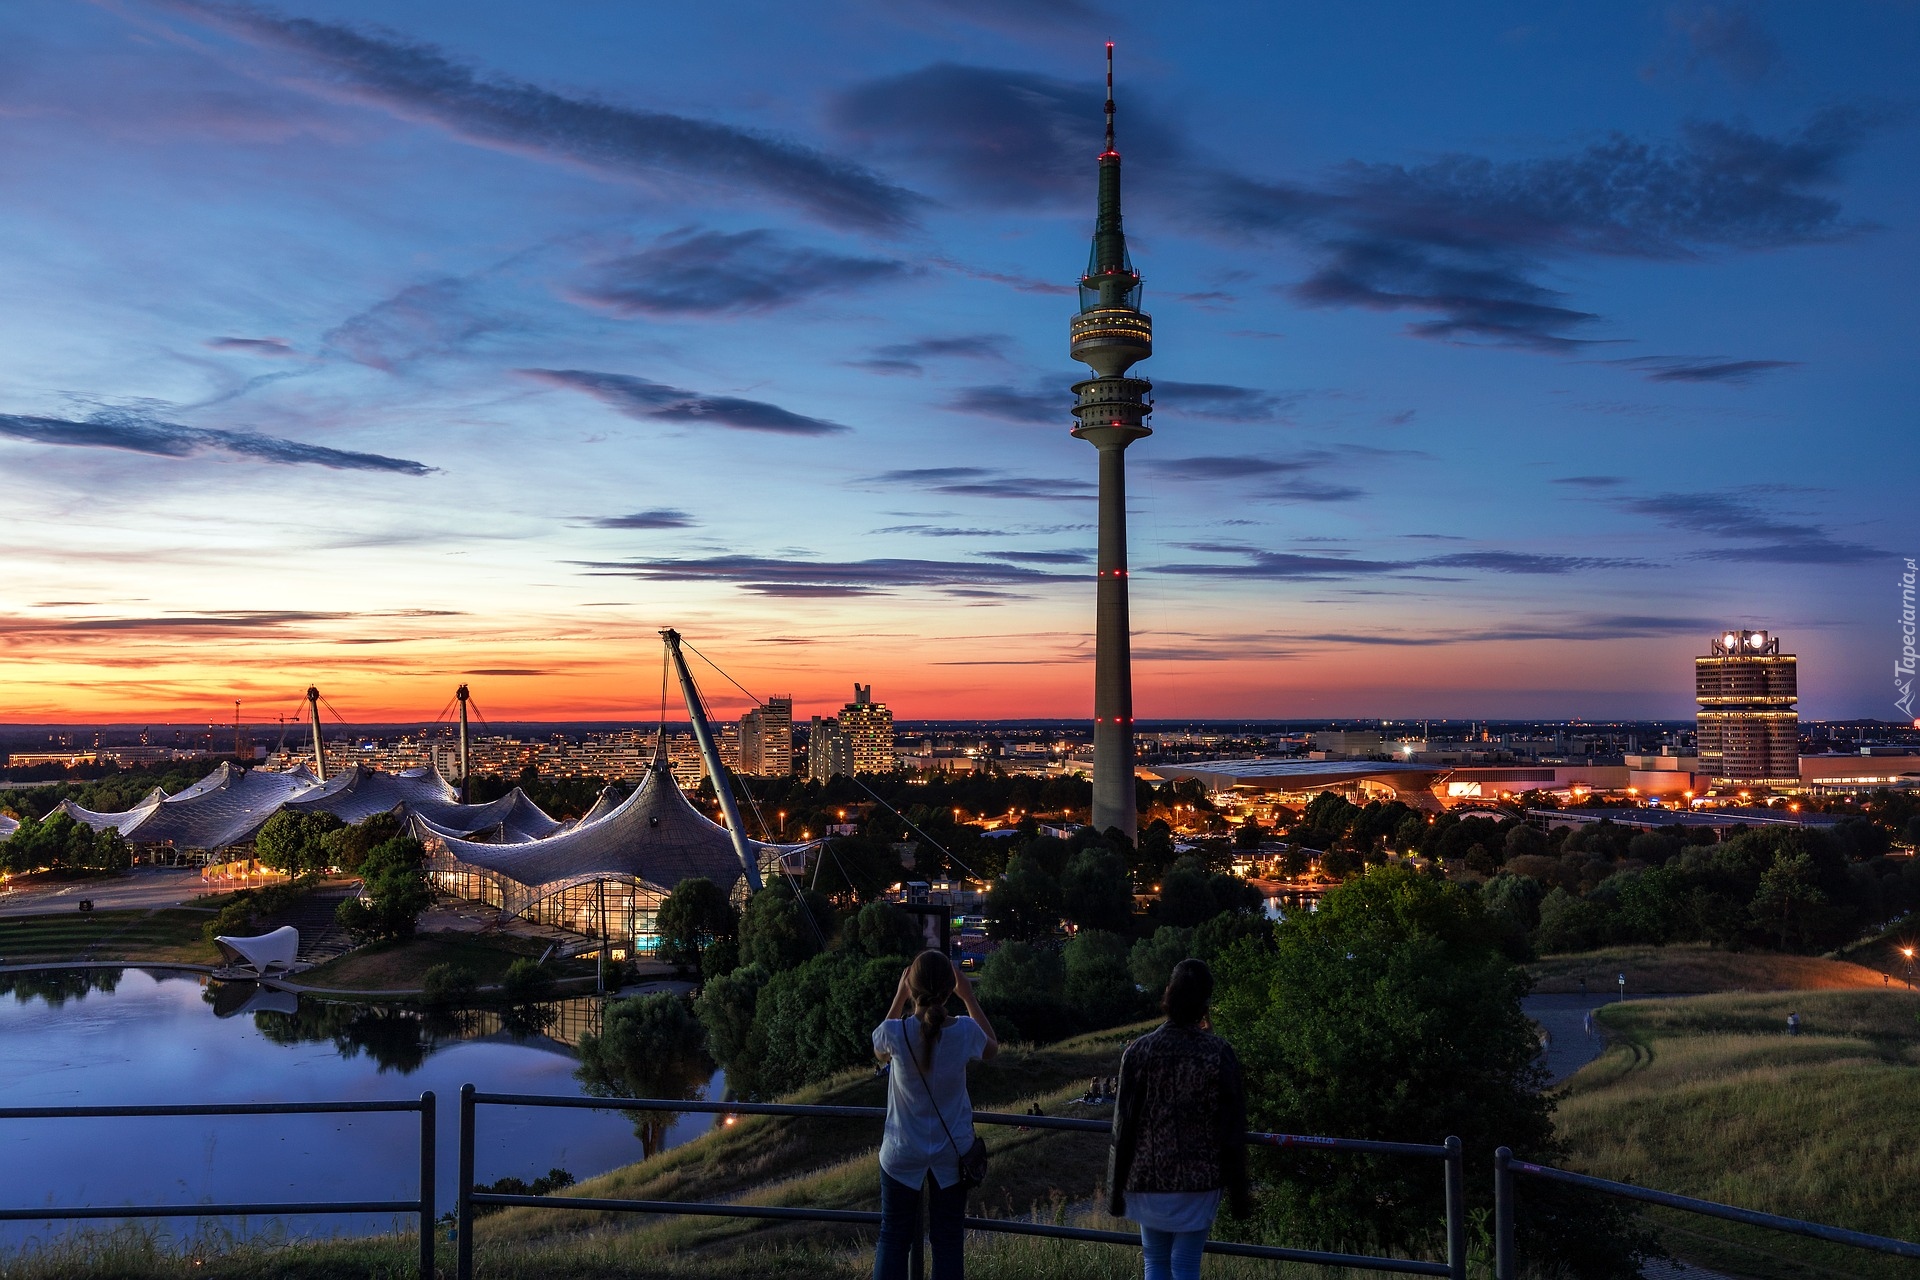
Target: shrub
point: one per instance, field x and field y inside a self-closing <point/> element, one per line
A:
<point x="446" y="985"/>
<point x="526" y="981"/>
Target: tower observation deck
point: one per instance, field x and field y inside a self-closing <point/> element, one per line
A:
<point x="1109" y="335"/>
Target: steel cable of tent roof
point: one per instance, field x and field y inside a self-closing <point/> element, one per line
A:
<point x="916" y="830"/>
<point x="856" y="782"/>
<point x="793" y="881"/>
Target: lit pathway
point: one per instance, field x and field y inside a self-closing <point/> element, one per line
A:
<point x="1563" y="1018"/>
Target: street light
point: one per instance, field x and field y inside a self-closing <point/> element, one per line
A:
<point x="1908" y="953"/>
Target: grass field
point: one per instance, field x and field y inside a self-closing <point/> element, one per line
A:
<point x="401" y="965"/>
<point x="1708" y="1097"/>
<point x="171" y="933"/>
<point x="1697" y="969"/>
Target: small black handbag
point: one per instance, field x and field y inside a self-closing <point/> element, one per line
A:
<point x="973" y="1161"/>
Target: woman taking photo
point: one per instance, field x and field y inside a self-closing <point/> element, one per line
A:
<point x="929" y="1115"/>
<point x="1178" y="1128"/>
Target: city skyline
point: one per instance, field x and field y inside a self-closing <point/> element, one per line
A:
<point x="1518" y="356"/>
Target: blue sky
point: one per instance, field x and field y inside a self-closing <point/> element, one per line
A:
<point x="1504" y="353"/>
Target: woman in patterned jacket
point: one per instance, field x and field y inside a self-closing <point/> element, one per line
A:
<point x="1178" y="1129"/>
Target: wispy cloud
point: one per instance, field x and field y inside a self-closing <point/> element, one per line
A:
<point x="1223" y="401"/>
<point x="420" y="83"/>
<point x="138" y="433"/>
<point x="693" y="272"/>
<point x="911" y="357"/>
<point x="1257" y="563"/>
<point x="1009" y="404"/>
<point x="767" y="575"/>
<point x="656" y="518"/>
<point x="432" y="318"/>
<point x="980" y="482"/>
<point x="1702" y="369"/>
<point x="644" y="399"/>
<point x="253" y="346"/>
<point x="1590" y="482"/>
<point x="1750" y="515"/>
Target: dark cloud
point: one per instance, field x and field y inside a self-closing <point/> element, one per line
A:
<point x="1687" y="369"/>
<point x="1749" y="515"/>
<point x="1292" y="566"/>
<point x="1228" y="467"/>
<point x="1591" y="627"/>
<point x="810" y="578"/>
<point x="1727" y="35"/>
<point x="1018" y="17"/>
<point x="978" y="482"/>
<point x="252" y="346"/>
<point x="1310" y="491"/>
<point x="1464" y="238"/>
<point x="718" y="272"/>
<point x="137" y="433"/>
<point x="1221" y="400"/>
<point x="1011" y="405"/>
<point x="505" y="671"/>
<point x="993" y="136"/>
<point x="420" y="83"/>
<point x="1041" y="557"/>
<point x="191" y="625"/>
<point x="434" y="318"/>
<point x="1590" y="482"/>
<point x="657" y="518"/>
<point x="654" y="401"/>
<point x="910" y="357"/>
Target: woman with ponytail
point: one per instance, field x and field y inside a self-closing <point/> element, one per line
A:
<point x="929" y="1115"/>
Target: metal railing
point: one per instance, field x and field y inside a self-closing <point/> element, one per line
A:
<point x="1455" y="1267"/>
<point x="422" y="1206"/>
<point x="1506" y="1260"/>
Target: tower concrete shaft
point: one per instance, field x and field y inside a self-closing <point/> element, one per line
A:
<point x="1109" y="335"/>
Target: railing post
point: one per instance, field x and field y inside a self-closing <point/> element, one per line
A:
<point x="427" y="1134"/>
<point x="1456" y="1212"/>
<point x="1503" y="1260"/>
<point x="463" y="1194"/>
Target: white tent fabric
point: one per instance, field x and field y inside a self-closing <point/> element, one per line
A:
<point x="276" y="950"/>
<point x="222" y="809"/>
<point x="357" y="793"/>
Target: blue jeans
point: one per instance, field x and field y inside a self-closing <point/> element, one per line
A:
<point x="900" y="1221"/>
<point x="1172" y="1255"/>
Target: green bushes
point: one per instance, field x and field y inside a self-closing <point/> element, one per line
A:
<point x="448" y="985"/>
<point x="394" y="892"/>
<point x="526" y="981"/>
<point x="60" y="843"/>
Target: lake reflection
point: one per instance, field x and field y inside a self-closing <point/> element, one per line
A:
<point x="116" y="1037"/>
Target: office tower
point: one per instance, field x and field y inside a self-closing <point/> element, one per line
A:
<point x="766" y="739"/>
<point x="829" y="751"/>
<point x="1109" y="335"/>
<point x="868" y="725"/>
<point x="1749" y="731"/>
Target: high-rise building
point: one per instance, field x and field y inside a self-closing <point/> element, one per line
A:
<point x="869" y="727"/>
<point x="766" y="739"/>
<point x="829" y="751"/>
<point x="1748" y="729"/>
<point x="1109" y="335"/>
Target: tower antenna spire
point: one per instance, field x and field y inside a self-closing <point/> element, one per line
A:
<point x="1110" y="150"/>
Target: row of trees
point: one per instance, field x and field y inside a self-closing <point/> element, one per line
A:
<point x="59" y="843"/>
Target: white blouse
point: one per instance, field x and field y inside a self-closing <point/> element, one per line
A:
<point x="915" y="1143"/>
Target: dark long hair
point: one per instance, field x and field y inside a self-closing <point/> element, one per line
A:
<point x="930" y="984"/>
<point x="1187" y="994"/>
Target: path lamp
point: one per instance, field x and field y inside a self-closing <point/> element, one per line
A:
<point x="1622" y="980"/>
<point x="1908" y="953"/>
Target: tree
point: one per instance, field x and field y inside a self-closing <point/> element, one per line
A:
<point x="818" y="1018"/>
<point x="1391" y="1013"/>
<point x="882" y="929"/>
<point x="782" y="927"/>
<point x="1021" y="985"/>
<point x="1249" y="835"/>
<point x="1786" y="892"/>
<point x="860" y="866"/>
<point x="347" y="847"/>
<point x="648" y="1047"/>
<point x="1524" y="841"/>
<point x="295" y="842"/>
<point x="1191" y="895"/>
<point x="526" y="981"/>
<point x="1098" y="982"/>
<point x="1154" y="853"/>
<point x="393" y="892"/>
<point x="695" y="914"/>
<point x="60" y="843"/>
<point x="1096" y="892"/>
<point x="1025" y="903"/>
<point x="447" y="985"/>
<point x="1152" y="959"/>
<point x="725" y="1007"/>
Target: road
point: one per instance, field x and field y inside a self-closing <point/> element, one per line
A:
<point x="142" y="888"/>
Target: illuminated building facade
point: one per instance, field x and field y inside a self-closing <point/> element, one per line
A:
<point x="869" y="728"/>
<point x="766" y="739"/>
<point x="829" y="751"/>
<point x="1749" y="730"/>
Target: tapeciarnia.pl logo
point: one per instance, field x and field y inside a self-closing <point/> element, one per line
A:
<point x="1903" y="666"/>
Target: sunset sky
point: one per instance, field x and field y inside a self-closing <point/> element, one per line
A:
<point x="1504" y="353"/>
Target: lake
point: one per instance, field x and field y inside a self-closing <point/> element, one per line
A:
<point x="121" y="1037"/>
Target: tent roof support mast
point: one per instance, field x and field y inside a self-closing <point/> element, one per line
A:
<point x="710" y="752"/>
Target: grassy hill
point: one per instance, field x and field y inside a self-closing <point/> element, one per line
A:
<point x="168" y="934"/>
<point x="1709" y="1097"/>
<point x="1690" y="968"/>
